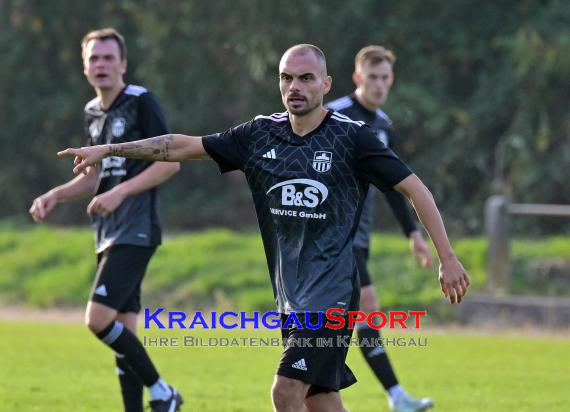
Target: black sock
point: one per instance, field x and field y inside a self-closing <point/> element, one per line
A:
<point x="376" y="357"/>
<point x="124" y="342"/>
<point x="131" y="386"/>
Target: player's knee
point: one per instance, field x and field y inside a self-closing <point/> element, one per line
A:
<point x="279" y="395"/>
<point x="327" y="403"/>
<point x="92" y="325"/>
<point x="369" y="307"/>
<point x="284" y="395"/>
<point x="95" y="323"/>
<point x="368" y="301"/>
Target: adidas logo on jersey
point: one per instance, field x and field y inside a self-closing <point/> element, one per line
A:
<point x="270" y="155"/>
<point x="300" y="364"/>
<point x="101" y="291"/>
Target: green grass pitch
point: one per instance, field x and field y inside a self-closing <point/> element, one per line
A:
<point x="60" y="367"/>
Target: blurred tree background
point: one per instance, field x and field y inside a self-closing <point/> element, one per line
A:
<point x="470" y="75"/>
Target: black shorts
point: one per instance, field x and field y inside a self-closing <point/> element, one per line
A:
<point x="120" y="271"/>
<point x="361" y="257"/>
<point x="323" y="367"/>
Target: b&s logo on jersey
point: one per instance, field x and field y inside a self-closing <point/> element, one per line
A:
<point x="322" y="161"/>
<point x="300" y="192"/>
<point x="113" y="166"/>
<point x="118" y="127"/>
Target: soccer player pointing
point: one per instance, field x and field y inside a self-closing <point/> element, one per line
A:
<point x="308" y="169"/>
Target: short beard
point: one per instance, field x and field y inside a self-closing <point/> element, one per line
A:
<point x="302" y="112"/>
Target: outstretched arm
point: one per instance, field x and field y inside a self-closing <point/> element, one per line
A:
<point x="453" y="278"/>
<point x="167" y="148"/>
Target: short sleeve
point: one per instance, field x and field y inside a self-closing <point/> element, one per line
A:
<point x="229" y="149"/>
<point x="377" y="163"/>
<point x="152" y="121"/>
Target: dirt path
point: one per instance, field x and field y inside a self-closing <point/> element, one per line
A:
<point x="22" y="314"/>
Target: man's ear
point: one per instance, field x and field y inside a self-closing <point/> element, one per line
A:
<point x="356" y="78"/>
<point x="327" y="84"/>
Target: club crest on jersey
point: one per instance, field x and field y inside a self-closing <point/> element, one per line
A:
<point x="118" y="127"/>
<point x="94" y="130"/>
<point x="322" y="161"/>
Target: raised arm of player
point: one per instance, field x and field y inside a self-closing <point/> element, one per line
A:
<point x="453" y="278"/>
<point x="167" y="148"/>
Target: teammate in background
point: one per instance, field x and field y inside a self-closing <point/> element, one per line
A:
<point x="308" y="169"/>
<point x="124" y="213"/>
<point x="373" y="76"/>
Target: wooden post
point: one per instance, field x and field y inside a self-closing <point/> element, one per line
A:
<point x="497" y="229"/>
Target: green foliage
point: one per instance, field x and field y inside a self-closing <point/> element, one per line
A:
<point x="469" y="74"/>
<point x="221" y="269"/>
<point x="46" y="267"/>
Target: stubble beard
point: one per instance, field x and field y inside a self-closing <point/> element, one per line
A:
<point x="303" y="112"/>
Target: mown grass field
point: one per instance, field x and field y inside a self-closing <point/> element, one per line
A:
<point x="60" y="367"/>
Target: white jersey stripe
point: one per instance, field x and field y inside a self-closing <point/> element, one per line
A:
<point x="278" y="117"/>
<point x="383" y="115"/>
<point x="135" y="90"/>
<point x="344" y="116"/>
<point x="346" y="119"/>
<point x="340" y="104"/>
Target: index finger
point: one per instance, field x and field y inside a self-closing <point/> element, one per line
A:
<point x="68" y="152"/>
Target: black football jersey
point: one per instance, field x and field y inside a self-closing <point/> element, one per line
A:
<point x="308" y="193"/>
<point x="383" y="127"/>
<point x="135" y="114"/>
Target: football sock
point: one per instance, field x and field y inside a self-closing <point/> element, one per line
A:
<point x="160" y="390"/>
<point x="131" y="386"/>
<point x="376" y="357"/>
<point x="396" y="391"/>
<point x="124" y="342"/>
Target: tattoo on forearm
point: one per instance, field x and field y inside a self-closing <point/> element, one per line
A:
<point x="156" y="148"/>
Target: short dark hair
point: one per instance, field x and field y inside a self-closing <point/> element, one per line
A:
<point x="318" y="53"/>
<point x="374" y="55"/>
<point x="108" y="33"/>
